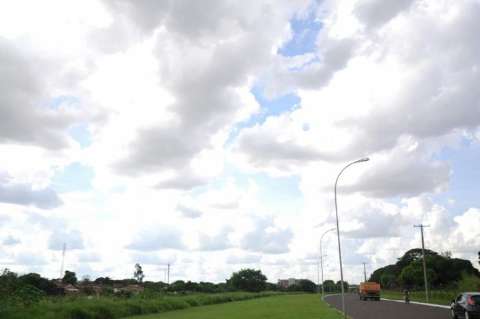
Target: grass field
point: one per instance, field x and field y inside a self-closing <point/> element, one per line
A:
<point x="305" y="306"/>
<point x="112" y="308"/>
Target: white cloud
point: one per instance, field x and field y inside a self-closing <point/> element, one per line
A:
<point x="23" y="194"/>
<point x="189" y="212"/>
<point x="154" y="258"/>
<point x="23" y="92"/>
<point x="375" y="13"/>
<point x="157" y="238"/>
<point x="11" y="241"/>
<point x="267" y="238"/>
<point x="403" y="173"/>
<point x="163" y="92"/>
<point x="89" y="257"/>
<point x="30" y="259"/>
<point x="219" y="241"/>
<point x="72" y="239"/>
<point x="244" y="259"/>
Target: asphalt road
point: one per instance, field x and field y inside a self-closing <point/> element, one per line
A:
<point x="358" y="309"/>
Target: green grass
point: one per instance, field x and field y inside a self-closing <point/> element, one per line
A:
<point x="113" y="308"/>
<point x="300" y="306"/>
<point x="437" y="296"/>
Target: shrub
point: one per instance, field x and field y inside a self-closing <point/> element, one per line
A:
<point x="114" y="307"/>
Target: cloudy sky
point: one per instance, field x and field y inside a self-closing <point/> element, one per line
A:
<point x="208" y="134"/>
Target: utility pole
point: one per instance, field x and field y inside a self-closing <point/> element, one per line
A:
<point x="421" y="226"/>
<point x="364" y="272"/>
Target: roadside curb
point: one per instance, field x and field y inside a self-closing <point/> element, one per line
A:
<point x="419" y="303"/>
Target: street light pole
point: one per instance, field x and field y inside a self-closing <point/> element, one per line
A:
<point x="338" y="231"/>
<point x="321" y="258"/>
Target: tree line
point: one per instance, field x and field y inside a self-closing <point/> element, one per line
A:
<point x="443" y="271"/>
<point x="32" y="287"/>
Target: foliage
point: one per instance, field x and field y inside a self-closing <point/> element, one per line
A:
<point x="412" y="275"/>
<point x="329" y="286"/>
<point x="469" y="283"/>
<point x="69" y="278"/>
<point x="112" y="308"/>
<point x="37" y="281"/>
<point x="387" y="280"/>
<point x="28" y="295"/>
<point x="443" y="296"/>
<point x="248" y="280"/>
<point x="339" y="285"/>
<point x="307" y="285"/>
<point x="442" y="271"/>
<point x="138" y="273"/>
<point x="104" y="281"/>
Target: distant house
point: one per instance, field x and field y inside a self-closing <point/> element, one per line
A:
<point x="70" y="289"/>
<point x="91" y="289"/>
<point x="135" y="289"/>
<point x="285" y="283"/>
<point x="66" y="289"/>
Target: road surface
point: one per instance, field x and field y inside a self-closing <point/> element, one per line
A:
<point x="358" y="309"/>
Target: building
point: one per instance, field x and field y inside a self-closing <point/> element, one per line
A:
<point x="65" y="289"/>
<point x="132" y="289"/>
<point x="285" y="283"/>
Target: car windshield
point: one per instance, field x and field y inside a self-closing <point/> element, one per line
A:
<point x="476" y="298"/>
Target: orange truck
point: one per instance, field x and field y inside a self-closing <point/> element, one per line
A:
<point x="369" y="290"/>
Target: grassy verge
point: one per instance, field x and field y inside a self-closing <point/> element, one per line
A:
<point x="304" y="306"/>
<point x="112" y="308"/>
<point x="439" y="297"/>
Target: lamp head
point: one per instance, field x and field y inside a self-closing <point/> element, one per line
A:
<point x="365" y="159"/>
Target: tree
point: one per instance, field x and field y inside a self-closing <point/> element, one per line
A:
<point x="104" y="281"/>
<point x="69" y="278"/>
<point x="248" y="280"/>
<point x="9" y="283"/>
<point x="443" y="271"/>
<point x="339" y="285"/>
<point x="388" y="280"/>
<point x="178" y="286"/>
<point x="446" y="254"/>
<point x="412" y="275"/>
<point x="307" y="285"/>
<point x="329" y="286"/>
<point x="138" y="273"/>
<point x="37" y="281"/>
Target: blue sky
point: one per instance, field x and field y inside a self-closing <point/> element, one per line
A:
<point x="463" y="186"/>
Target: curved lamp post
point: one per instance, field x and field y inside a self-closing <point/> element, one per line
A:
<point x="321" y="257"/>
<point x="338" y="231"/>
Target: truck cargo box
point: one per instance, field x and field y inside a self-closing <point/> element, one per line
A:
<point x="369" y="290"/>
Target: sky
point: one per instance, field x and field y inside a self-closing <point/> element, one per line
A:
<point x="208" y="135"/>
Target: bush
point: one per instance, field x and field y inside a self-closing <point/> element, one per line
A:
<point x="469" y="283"/>
<point x="113" y="307"/>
